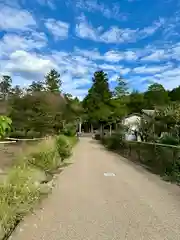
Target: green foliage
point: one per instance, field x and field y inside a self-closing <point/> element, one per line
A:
<point x="69" y="130"/>
<point x="38" y="112"/>
<point x="17" y="197"/>
<point x="135" y="102"/>
<point x="97" y="102"/>
<point x="5" y="126"/>
<point x="169" y="139"/>
<point x="160" y="158"/>
<point x="156" y="95"/>
<point x="46" y="159"/>
<point x="174" y="95"/>
<point x="5" y="86"/>
<point x="121" y="89"/>
<point x="36" y="87"/>
<point x="64" y="147"/>
<point x="24" y="135"/>
<point x="23" y="187"/>
<point x="52" y="81"/>
<point x="115" y="141"/>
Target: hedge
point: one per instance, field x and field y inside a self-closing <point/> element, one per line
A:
<point x="25" y="183"/>
<point x="160" y="158"/>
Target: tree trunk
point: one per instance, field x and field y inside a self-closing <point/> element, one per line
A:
<point x="110" y="129"/>
<point x="92" y="130"/>
<point x="80" y="125"/>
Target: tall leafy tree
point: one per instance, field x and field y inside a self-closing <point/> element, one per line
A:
<point x="97" y="102"/>
<point x="174" y="95"/>
<point x="156" y="95"/>
<point x="36" y="86"/>
<point x="5" y="86"/>
<point x="135" y="102"/>
<point x="53" y="81"/>
<point x="121" y="89"/>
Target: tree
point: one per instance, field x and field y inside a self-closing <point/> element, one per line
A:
<point x="5" y="125"/>
<point x="174" y="95"/>
<point x="156" y="95"/>
<point x="52" y="81"/>
<point x="121" y="89"/>
<point x="16" y="91"/>
<point x="97" y="102"/>
<point x="135" y="102"/>
<point x="5" y="86"/>
<point x="41" y="112"/>
<point x="36" y="86"/>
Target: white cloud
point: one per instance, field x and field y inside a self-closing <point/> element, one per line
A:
<point x="170" y="51"/>
<point x="50" y="3"/>
<point x="58" y="28"/>
<point x="114" y="34"/>
<point x="15" y="19"/>
<point x="112" y="11"/>
<point x="156" y="56"/>
<point x="28" y="64"/>
<point x="150" y="70"/>
<point x="13" y="42"/>
<point x="109" y="56"/>
<point x="112" y="56"/>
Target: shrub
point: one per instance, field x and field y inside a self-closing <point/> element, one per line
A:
<point x="22" y="134"/>
<point x="160" y="158"/>
<point x="23" y="189"/>
<point x="169" y="139"/>
<point x="63" y="147"/>
<point x="69" y="130"/>
<point x="18" y="194"/>
<point x="45" y="156"/>
<point x="115" y="141"/>
<point x="18" y="134"/>
<point x="73" y="140"/>
<point x="33" y="134"/>
<point x="97" y="136"/>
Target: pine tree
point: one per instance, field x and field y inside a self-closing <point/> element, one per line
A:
<point x="53" y="81"/>
<point x="97" y="102"/>
<point x="121" y="89"/>
<point x="5" y="86"/>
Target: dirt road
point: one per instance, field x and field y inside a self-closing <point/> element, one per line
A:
<point x="86" y="205"/>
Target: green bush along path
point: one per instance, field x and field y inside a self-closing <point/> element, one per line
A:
<point x="86" y="205"/>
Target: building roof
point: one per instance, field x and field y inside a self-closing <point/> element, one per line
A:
<point x="148" y="112"/>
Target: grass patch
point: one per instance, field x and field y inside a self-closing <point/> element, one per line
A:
<point x="25" y="185"/>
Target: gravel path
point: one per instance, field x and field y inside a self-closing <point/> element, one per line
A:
<point x="86" y="205"/>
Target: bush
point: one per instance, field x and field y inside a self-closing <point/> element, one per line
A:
<point x="23" y="135"/>
<point x="32" y="134"/>
<point x="69" y="130"/>
<point x="160" y="158"/>
<point x="115" y="141"/>
<point x="23" y="187"/>
<point x="45" y="156"/>
<point x="169" y="140"/>
<point x="18" y="194"/>
<point x="97" y="136"/>
<point x="63" y="147"/>
<point x="18" y="134"/>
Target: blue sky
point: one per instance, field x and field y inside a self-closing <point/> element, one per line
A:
<point x="138" y="39"/>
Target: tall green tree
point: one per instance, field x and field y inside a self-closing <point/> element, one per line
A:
<point x="156" y="95"/>
<point x="36" y="86"/>
<point x="121" y="89"/>
<point x="135" y="102"/>
<point x="16" y="91"/>
<point x="53" y="81"/>
<point x="174" y="94"/>
<point x="5" y="86"/>
<point x="97" y="102"/>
